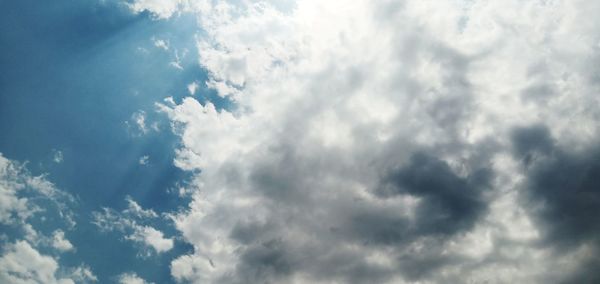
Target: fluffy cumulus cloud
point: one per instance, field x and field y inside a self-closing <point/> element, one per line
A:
<point x="59" y="242"/>
<point x="23" y="264"/>
<point x="391" y="142"/>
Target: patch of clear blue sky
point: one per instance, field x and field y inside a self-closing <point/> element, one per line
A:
<point x="71" y="74"/>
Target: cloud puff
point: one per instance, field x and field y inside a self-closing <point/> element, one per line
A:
<point x="131" y="278"/>
<point x="383" y="142"/>
<point x="60" y="243"/>
<point x="57" y="156"/>
<point x="153" y="238"/>
<point x="144" y="160"/>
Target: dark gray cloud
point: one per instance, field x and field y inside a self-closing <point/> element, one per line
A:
<point x="448" y="203"/>
<point x="530" y="141"/>
<point x="265" y="262"/>
<point x="562" y="191"/>
<point x="563" y="185"/>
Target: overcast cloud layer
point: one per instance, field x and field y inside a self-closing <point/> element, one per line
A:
<point x="359" y="142"/>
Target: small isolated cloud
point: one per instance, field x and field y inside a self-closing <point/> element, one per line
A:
<point x="176" y="64"/>
<point x="132" y="278"/>
<point x="60" y="243"/>
<point x="177" y="60"/>
<point x="153" y="238"/>
<point x="138" y="124"/>
<point x="139" y="121"/>
<point x="57" y="156"/>
<point x="144" y="160"/>
<point x="160" y="43"/>
<point x="192" y="87"/>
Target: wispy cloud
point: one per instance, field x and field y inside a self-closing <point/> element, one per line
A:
<point x="132" y="223"/>
<point x="23" y="198"/>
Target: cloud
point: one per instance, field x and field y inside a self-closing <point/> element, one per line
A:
<point x="138" y="123"/>
<point x="144" y="160"/>
<point x="192" y="87"/>
<point x="131" y="223"/>
<point x="447" y="203"/>
<point x="383" y="142"/>
<point x="23" y="198"/>
<point x="160" y="9"/>
<point x="562" y="193"/>
<point x="83" y="274"/>
<point x="160" y="43"/>
<point x="22" y="195"/>
<point x="57" y="156"/>
<point x="60" y="243"/>
<point x="21" y="263"/>
<point x="153" y="238"/>
<point x="131" y="278"/>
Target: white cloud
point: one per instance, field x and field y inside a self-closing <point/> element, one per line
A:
<point x="334" y="99"/>
<point x="160" y="43"/>
<point x="192" y="87"/>
<point x="20" y="192"/>
<point x="144" y="160"/>
<point x="83" y="274"/>
<point x="176" y="63"/>
<point x="159" y="8"/>
<point x="135" y="209"/>
<point x="153" y="238"/>
<point x="60" y="243"/>
<point x="22" y="198"/>
<point x="131" y="278"/>
<point x="139" y="122"/>
<point x="57" y="156"/>
<point x="21" y="263"/>
<point x="131" y="223"/>
<point x="139" y="125"/>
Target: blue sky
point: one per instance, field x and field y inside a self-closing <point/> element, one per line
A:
<point x="282" y="141"/>
<point x="73" y="75"/>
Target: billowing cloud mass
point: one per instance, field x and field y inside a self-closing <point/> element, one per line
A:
<point x="391" y="142"/>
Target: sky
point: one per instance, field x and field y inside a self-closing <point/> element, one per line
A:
<point x="283" y="141"/>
